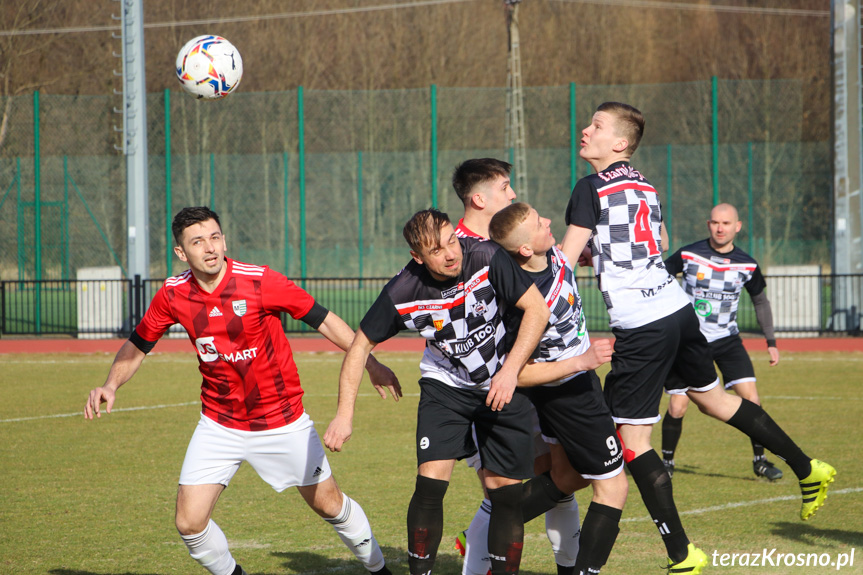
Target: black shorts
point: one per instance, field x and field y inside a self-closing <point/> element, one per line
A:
<point x="504" y="438"/>
<point x="731" y="358"/>
<point x="645" y="356"/>
<point x="574" y="414"/>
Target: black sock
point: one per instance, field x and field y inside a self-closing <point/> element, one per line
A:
<point x="564" y="570"/>
<point x="752" y="420"/>
<point x="237" y="570"/>
<point x="505" y="529"/>
<point x="425" y="524"/>
<point x="672" y="427"/>
<point x="540" y="494"/>
<point x="382" y="571"/>
<point x="598" y="532"/>
<point x="654" y="484"/>
<point x="757" y="450"/>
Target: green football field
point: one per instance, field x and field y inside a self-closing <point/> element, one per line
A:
<point x="97" y="498"/>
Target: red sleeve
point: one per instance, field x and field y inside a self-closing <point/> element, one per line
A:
<point x="279" y="294"/>
<point x="157" y="319"/>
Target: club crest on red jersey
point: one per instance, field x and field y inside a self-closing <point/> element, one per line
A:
<point x="239" y="307"/>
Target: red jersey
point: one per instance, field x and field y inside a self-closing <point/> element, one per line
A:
<point x="462" y="231"/>
<point x="250" y="378"/>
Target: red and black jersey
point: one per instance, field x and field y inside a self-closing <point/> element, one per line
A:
<point x="250" y="380"/>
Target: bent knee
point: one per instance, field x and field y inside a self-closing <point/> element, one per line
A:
<point x="191" y="526"/>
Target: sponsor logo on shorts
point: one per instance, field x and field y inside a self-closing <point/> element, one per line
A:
<point x="317" y="472"/>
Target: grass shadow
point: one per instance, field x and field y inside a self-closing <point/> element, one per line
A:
<point x="805" y="533"/>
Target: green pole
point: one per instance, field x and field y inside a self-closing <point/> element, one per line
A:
<point x="360" y="210"/>
<point x="301" y="159"/>
<point x="212" y="182"/>
<point x="287" y="228"/>
<point x="715" y="121"/>
<point x="64" y="221"/>
<point x="22" y="239"/>
<point x="434" y="145"/>
<point x="749" y="228"/>
<point x="668" y="181"/>
<point x="573" y="139"/>
<point x="169" y="240"/>
<point x="37" y="188"/>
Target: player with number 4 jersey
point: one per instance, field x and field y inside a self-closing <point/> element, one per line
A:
<point x="616" y="212"/>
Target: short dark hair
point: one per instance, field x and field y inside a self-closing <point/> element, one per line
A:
<point x="477" y="171"/>
<point x="189" y="217"/>
<point x="423" y="229"/>
<point x="504" y="223"/>
<point x="629" y="122"/>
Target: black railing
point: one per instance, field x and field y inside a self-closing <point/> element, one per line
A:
<point x="802" y="305"/>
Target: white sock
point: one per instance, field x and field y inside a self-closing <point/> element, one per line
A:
<point x="210" y="549"/>
<point x="353" y="528"/>
<point x="561" y="527"/>
<point x="476" y="561"/>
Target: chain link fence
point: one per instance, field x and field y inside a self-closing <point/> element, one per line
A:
<point x="320" y="183"/>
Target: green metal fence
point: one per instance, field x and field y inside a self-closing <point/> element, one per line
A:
<point x="319" y="183"/>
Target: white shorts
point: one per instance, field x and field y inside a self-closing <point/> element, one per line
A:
<point x="284" y="457"/>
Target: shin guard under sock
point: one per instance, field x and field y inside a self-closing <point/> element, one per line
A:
<point x="598" y="533"/>
<point x="540" y="495"/>
<point x="752" y="420"/>
<point x="425" y="524"/>
<point x="672" y="427"/>
<point x="654" y="484"/>
<point x="505" y="529"/>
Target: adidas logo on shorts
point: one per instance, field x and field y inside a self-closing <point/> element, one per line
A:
<point x="318" y="470"/>
<point x="215" y="312"/>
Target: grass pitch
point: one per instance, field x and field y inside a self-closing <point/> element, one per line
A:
<point x="97" y="498"/>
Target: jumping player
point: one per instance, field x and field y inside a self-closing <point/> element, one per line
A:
<point x="483" y="186"/>
<point x="454" y="292"/>
<point x="616" y="211"/>
<point x="251" y="397"/>
<point x="573" y="416"/>
<point x="715" y="271"/>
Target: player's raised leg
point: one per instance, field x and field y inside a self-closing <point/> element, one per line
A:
<point x="815" y="476"/>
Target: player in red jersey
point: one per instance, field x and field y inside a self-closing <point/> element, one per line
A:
<point x="251" y="396"/>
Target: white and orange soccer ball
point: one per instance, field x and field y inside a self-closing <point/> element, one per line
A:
<point x="209" y="67"/>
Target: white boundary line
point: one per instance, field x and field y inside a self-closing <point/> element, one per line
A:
<point x="745" y="504"/>
<point x="148" y="407"/>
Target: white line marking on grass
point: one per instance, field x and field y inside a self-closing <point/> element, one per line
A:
<point x="745" y="504"/>
<point x="148" y="407"/>
<point x="799" y="397"/>
<point x="81" y="413"/>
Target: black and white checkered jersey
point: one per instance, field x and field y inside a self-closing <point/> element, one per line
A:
<point x="714" y="281"/>
<point x="622" y="210"/>
<point x="566" y="335"/>
<point x="461" y="319"/>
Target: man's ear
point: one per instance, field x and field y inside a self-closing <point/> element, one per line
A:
<point x="738" y="227"/>
<point x="620" y="145"/>
<point x="416" y="257"/>
<point x="525" y="251"/>
<point x="180" y="253"/>
<point x="477" y="200"/>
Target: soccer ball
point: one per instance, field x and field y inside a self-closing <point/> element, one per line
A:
<point x="209" y="67"/>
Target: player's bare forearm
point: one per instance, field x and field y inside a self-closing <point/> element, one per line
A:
<point x="574" y="242"/>
<point x="337" y="331"/>
<point x="539" y="373"/>
<point x="533" y="325"/>
<point x="350" y="377"/>
<point x="126" y="363"/>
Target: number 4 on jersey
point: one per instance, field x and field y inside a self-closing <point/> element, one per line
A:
<point x="643" y="232"/>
